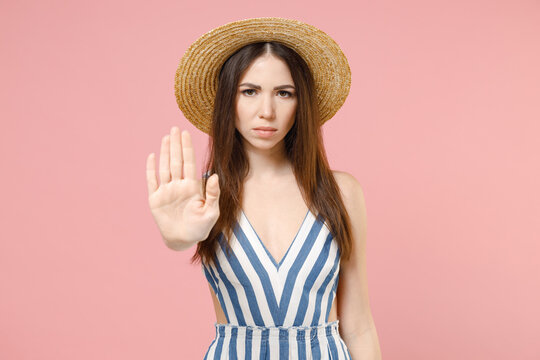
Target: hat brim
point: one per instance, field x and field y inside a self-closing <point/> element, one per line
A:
<point x="196" y="77"/>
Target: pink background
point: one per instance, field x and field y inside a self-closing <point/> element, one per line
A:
<point x="440" y="127"/>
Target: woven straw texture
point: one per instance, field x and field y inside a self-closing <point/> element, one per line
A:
<point x="196" y="77"/>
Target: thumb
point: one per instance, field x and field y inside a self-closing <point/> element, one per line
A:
<point x="212" y="191"/>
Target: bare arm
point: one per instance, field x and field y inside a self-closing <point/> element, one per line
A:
<point x="356" y="322"/>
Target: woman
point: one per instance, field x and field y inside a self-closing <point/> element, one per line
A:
<point x="276" y="230"/>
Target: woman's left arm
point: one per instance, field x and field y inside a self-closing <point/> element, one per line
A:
<point x="356" y="324"/>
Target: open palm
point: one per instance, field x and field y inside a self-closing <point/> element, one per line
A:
<point x="182" y="213"/>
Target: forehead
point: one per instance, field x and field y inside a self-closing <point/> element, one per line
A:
<point x="267" y="69"/>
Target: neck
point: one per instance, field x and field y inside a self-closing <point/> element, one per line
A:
<point x="267" y="164"/>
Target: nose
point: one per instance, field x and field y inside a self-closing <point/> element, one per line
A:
<point x="267" y="107"/>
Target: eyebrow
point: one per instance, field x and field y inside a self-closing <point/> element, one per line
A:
<point x="258" y="87"/>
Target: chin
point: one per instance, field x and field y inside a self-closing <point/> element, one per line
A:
<point x="263" y="144"/>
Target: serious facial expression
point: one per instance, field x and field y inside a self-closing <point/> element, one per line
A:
<point x="266" y="98"/>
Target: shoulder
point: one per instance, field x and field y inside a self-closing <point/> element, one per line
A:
<point x="355" y="203"/>
<point x="351" y="190"/>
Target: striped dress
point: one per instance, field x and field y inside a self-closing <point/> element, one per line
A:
<point x="277" y="310"/>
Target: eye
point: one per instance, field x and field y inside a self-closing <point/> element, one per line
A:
<point x="287" y="93"/>
<point x="244" y="92"/>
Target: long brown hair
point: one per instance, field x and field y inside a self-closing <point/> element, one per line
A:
<point x="303" y="147"/>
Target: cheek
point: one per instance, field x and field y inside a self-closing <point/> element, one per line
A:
<point x="292" y="114"/>
<point x="238" y="119"/>
<point x="238" y="115"/>
<point x="241" y="109"/>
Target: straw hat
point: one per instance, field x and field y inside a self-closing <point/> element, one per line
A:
<point x="196" y="78"/>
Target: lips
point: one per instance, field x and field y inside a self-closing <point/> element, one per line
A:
<point x="263" y="131"/>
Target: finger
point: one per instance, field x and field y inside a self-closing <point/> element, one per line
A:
<point x="151" y="179"/>
<point x="212" y="192"/>
<point x="188" y="156"/>
<point x="176" y="154"/>
<point x="164" y="170"/>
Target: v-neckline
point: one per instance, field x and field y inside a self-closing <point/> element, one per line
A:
<point x="276" y="264"/>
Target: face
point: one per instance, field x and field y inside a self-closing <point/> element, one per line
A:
<point x="266" y="97"/>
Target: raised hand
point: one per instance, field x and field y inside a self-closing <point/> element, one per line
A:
<point x="181" y="212"/>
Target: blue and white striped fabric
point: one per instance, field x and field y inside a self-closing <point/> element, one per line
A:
<point x="277" y="310"/>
